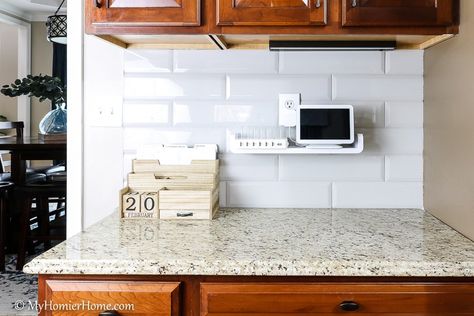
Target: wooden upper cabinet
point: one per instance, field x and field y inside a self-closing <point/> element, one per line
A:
<point x="144" y="13"/>
<point x="397" y="12"/>
<point x="271" y="12"/>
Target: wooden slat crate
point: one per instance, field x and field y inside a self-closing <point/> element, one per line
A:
<point x="183" y="191"/>
<point x="188" y="204"/>
<point x="196" y="166"/>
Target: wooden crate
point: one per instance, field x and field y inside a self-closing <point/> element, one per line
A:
<point x="184" y="191"/>
<point x="188" y="204"/>
<point x="196" y="166"/>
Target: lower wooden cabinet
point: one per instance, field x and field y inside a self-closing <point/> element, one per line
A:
<point x="120" y="297"/>
<point x="193" y="295"/>
<point x="336" y="299"/>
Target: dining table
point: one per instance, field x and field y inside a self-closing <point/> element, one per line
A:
<point x="27" y="148"/>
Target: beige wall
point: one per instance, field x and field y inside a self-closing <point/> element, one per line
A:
<point x="8" y="67"/>
<point x="41" y="62"/>
<point x="449" y="127"/>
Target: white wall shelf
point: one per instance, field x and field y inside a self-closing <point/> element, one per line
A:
<point x="356" y="148"/>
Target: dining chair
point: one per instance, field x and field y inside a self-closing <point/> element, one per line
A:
<point x="5" y="189"/>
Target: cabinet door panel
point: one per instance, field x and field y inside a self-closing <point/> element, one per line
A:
<point x="145" y="12"/>
<point x="397" y="12"/>
<point x="126" y="297"/>
<point x="271" y="12"/>
<point x="336" y="299"/>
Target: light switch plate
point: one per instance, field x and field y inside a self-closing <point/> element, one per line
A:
<point x="287" y="105"/>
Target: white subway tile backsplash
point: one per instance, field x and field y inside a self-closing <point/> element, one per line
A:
<point x="378" y="195"/>
<point x="404" y="114"/>
<point x="225" y="113"/>
<point x="174" y="86"/>
<point x="404" y="168"/>
<point x="249" y="167"/>
<point x="190" y="97"/>
<point x="135" y="137"/>
<point x="223" y="194"/>
<point x="393" y="141"/>
<point x="279" y="194"/>
<point x="331" y="63"/>
<point x="151" y="112"/>
<point x="376" y="88"/>
<point x="215" y="61"/>
<point x="146" y="60"/>
<point x="331" y="168"/>
<point x="404" y="62"/>
<point x="267" y="87"/>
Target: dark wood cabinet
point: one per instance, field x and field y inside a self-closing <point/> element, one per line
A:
<point x="144" y="13"/>
<point x="397" y="12"/>
<point x="271" y="12"/>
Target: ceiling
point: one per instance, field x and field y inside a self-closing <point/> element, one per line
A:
<point x="32" y="10"/>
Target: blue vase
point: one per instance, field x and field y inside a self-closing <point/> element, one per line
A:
<point x="55" y="121"/>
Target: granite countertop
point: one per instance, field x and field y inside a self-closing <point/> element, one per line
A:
<point x="303" y="242"/>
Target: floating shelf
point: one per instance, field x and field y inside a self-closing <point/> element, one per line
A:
<point x="356" y="148"/>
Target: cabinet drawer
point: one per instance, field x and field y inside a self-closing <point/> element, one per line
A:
<point x="127" y="298"/>
<point x="336" y="299"/>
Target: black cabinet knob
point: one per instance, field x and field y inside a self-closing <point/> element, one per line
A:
<point x="109" y="313"/>
<point x="349" y="306"/>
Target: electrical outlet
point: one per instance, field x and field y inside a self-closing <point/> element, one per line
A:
<point x="287" y="105"/>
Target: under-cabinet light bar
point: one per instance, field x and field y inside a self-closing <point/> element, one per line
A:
<point x="276" y="45"/>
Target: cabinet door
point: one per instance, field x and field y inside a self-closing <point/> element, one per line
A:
<point x="337" y="299"/>
<point x="271" y="12"/>
<point x="397" y="12"/>
<point x="124" y="297"/>
<point x="144" y="13"/>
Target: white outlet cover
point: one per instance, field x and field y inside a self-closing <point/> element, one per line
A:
<point x="286" y="115"/>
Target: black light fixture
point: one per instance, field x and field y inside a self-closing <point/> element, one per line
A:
<point x="276" y="45"/>
<point x="57" y="27"/>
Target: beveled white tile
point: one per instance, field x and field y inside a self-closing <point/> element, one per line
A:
<point x="404" y="62"/>
<point x="404" y="114"/>
<point x="134" y="137"/>
<point x="267" y="87"/>
<point x="279" y="194"/>
<point x="404" y="168"/>
<point x="174" y="86"/>
<point x="249" y="167"/>
<point x="223" y="194"/>
<point x="378" y="195"/>
<point x="147" y="60"/>
<point x="331" y="62"/>
<point x="393" y="141"/>
<point x="331" y="168"/>
<point x="146" y="112"/>
<point x="225" y="113"/>
<point x="378" y="88"/>
<point x="216" y="61"/>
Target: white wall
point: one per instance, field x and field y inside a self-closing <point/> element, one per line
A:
<point x="8" y="67"/>
<point x="193" y="96"/>
<point x="103" y="148"/>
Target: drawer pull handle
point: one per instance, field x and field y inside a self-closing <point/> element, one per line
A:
<point x="98" y="3"/>
<point x="184" y="214"/>
<point x="109" y="313"/>
<point x="349" y="306"/>
<point x="354" y="3"/>
<point x="318" y="3"/>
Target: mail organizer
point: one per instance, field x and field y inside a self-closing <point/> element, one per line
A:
<point x="171" y="191"/>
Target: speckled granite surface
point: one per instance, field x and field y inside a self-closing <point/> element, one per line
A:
<point x="268" y="242"/>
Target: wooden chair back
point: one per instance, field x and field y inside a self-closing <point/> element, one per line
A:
<point x="18" y="127"/>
